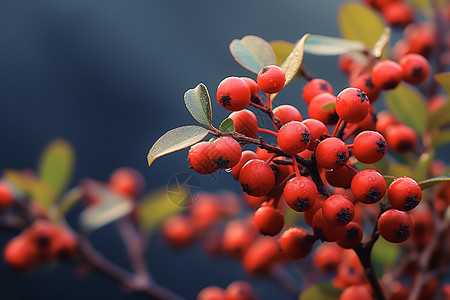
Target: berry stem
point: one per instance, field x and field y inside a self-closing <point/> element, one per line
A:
<point x="269" y="160"/>
<point x="336" y="128"/>
<point x="350" y="131"/>
<point x="352" y="168"/>
<point x="263" y="130"/>
<point x="349" y="146"/>
<point x="297" y="171"/>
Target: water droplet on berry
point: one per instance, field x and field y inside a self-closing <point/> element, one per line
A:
<point x="228" y="170"/>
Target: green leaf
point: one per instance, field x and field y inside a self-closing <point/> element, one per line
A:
<point x="424" y="184"/>
<point x="389" y="179"/>
<point x="282" y="50"/>
<point x="322" y="291"/>
<point x="440" y="118"/>
<point x="252" y="52"/>
<point x="111" y="206"/>
<point x="293" y="62"/>
<point x="198" y="103"/>
<point x="326" y="45"/>
<point x="422" y="5"/>
<point x="384" y="253"/>
<point x="329" y="106"/>
<point x="158" y="205"/>
<point x="444" y="80"/>
<point x="227" y="125"/>
<point x="381" y="166"/>
<point x="408" y="106"/>
<point x="382" y="42"/>
<point x="423" y="165"/>
<point x="399" y="170"/>
<point x="69" y="199"/>
<point x="56" y="166"/>
<point x="441" y="138"/>
<point x="358" y="22"/>
<point x="176" y="139"/>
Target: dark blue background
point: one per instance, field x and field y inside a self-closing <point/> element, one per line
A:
<point x="109" y="76"/>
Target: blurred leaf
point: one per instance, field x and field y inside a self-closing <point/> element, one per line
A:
<point x="69" y="199"/>
<point x="440" y="118"/>
<point x="322" y="291"/>
<point x="422" y="5"/>
<point x="20" y="180"/>
<point x="329" y="106"/>
<point x="441" y="138"/>
<point x="112" y="206"/>
<point x="389" y="179"/>
<point x="384" y="253"/>
<point x="399" y="170"/>
<point x="56" y="166"/>
<point x="176" y="139"/>
<point x="282" y="50"/>
<point x="423" y="165"/>
<point x="424" y="184"/>
<point x="158" y="205"/>
<point x="444" y="80"/>
<point x="252" y="52"/>
<point x="227" y="125"/>
<point x="326" y="45"/>
<point x="382" y="42"/>
<point x="408" y="106"/>
<point x="293" y="62"/>
<point x="198" y="103"/>
<point x="292" y="217"/>
<point x="358" y="22"/>
<point x="381" y="166"/>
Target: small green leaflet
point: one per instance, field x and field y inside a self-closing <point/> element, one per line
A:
<point x="227" y="125"/>
<point x="329" y="106"/>
<point x="325" y="45"/>
<point x="424" y="184"/>
<point x="198" y="103"/>
<point x="252" y="52"/>
<point x="176" y="139"/>
<point x="322" y="291"/>
<point x="282" y="50"/>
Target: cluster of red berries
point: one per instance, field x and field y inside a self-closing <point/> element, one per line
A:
<point x="237" y="290"/>
<point x="396" y="12"/>
<point x="41" y="242"/>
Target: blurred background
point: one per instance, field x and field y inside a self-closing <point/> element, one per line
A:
<point x="109" y="77"/>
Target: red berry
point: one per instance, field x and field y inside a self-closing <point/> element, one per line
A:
<point x="317" y="130"/>
<point x="353" y="236"/>
<point x="364" y="83"/>
<point x="245" y="157"/>
<point x="254" y="202"/>
<point x="199" y="160"/>
<point x="178" y="231"/>
<point x="352" y="105"/>
<point x="6" y="196"/>
<point x="268" y="220"/>
<point x="327" y="257"/>
<point x="64" y="246"/>
<point x="263" y="154"/>
<point x="293" y="137"/>
<point x="211" y="293"/>
<point x="233" y="94"/>
<point x="300" y="193"/>
<point x="42" y="233"/>
<point x="21" y="253"/>
<point x="394" y="225"/>
<point x="252" y="85"/>
<point x="287" y="113"/>
<point x="398" y="14"/>
<point x="401" y="138"/>
<point x="296" y="243"/>
<point x="127" y="181"/>
<point x="225" y="152"/>
<point x="415" y="68"/>
<point x="338" y="210"/>
<point x="239" y="290"/>
<point x="315" y="111"/>
<point x="340" y="177"/>
<point x="368" y="186"/>
<point x="422" y="38"/>
<point x="332" y="153"/>
<point x="237" y="238"/>
<point x="256" y="178"/>
<point x="355" y="292"/>
<point x="369" y="122"/>
<point x="309" y="214"/>
<point x="386" y="74"/>
<point x="325" y="231"/>
<point x="245" y="122"/>
<point x="315" y="87"/>
<point x="271" y="79"/>
<point x="369" y="147"/>
<point x="404" y="193"/>
<point x="261" y="256"/>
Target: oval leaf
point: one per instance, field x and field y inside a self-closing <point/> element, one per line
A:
<point x="424" y="184"/>
<point x="111" y="207"/>
<point x="158" y="205"/>
<point x="382" y="42"/>
<point x="227" y="125"/>
<point x="252" y="52"/>
<point x="423" y="165"/>
<point x="325" y="45"/>
<point x="399" y="170"/>
<point x="441" y="138"/>
<point x="389" y="179"/>
<point x="282" y="50"/>
<point x="444" y="80"/>
<point x="384" y="253"/>
<point x="56" y="165"/>
<point x="322" y="291"/>
<point x="329" y="106"/>
<point x="440" y="118"/>
<point x="358" y="22"/>
<point x="176" y="139"/>
<point x="198" y="103"/>
<point x="408" y="105"/>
